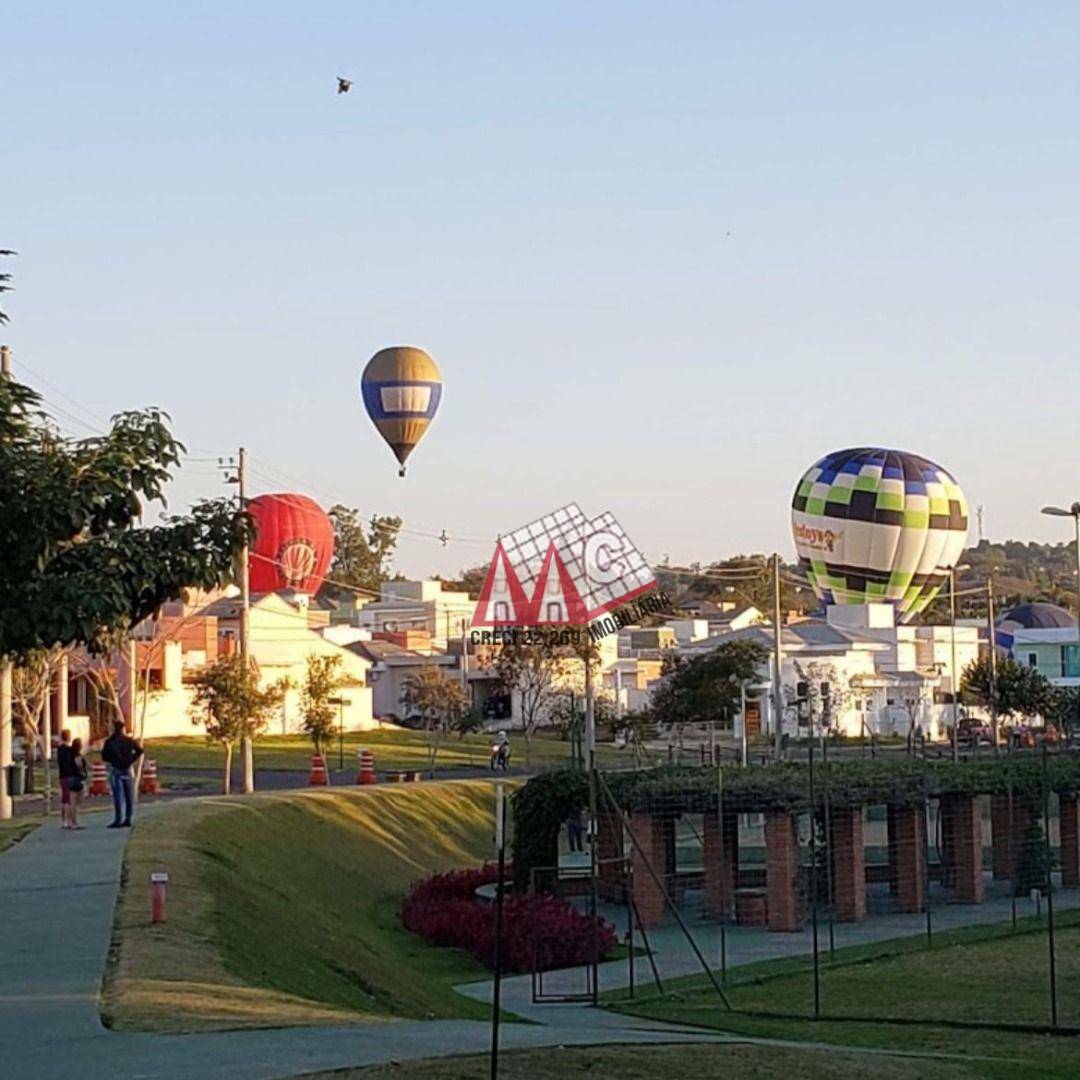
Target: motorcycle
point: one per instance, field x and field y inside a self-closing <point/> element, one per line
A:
<point x="500" y="756"/>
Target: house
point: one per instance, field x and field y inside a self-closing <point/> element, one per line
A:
<point x="858" y="668"/>
<point x="445" y="615"/>
<point x="154" y="676"/>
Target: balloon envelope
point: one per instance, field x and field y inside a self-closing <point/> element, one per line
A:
<point x="878" y="526"/>
<point x="293" y="546"/>
<point x="401" y="388"/>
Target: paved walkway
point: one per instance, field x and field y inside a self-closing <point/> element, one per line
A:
<point x="57" y="895"/>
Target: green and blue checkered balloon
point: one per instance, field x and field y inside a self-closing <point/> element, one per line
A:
<point x="878" y="526"/>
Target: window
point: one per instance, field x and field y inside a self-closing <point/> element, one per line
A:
<point x="1033" y="660"/>
<point x="502" y="611"/>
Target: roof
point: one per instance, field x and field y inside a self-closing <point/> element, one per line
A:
<point x="1038" y="616"/>
<point x="375" y="651"/>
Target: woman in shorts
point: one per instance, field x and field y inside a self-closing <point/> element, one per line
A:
<point x="72" y="769"/>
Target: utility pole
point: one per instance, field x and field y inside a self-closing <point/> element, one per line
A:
<point x="590" y="742"/>
<point x="954" y="676"/>
<point x="245" y="629"/>
<point x="991" y="631"/>
<point x="778" y="662"/>
<point x="5" y="676"/>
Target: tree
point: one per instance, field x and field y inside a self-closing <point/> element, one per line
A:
<point x="470" y="580"/>
<point x="706" y="687"/>
<point x="441" y="703"/>
<point x="322" y="680"/>
<point x="911" y="695"/>
<point x="361" y="555"/>
<point x="828" y="693"/>
<point x="30" y="684"/>
<point x="77" y="565"/>
<point x="533" y="665"/>
<point x="1014" y="690"/>
<point x="230" y="702"/>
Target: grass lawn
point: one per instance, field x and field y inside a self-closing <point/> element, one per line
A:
<point x="979" y="974"/>
<point x="672" y="1062"/>
<point x="283" y="909"/>
<point x="395" y="748"/>
<point x="12" y="831"/>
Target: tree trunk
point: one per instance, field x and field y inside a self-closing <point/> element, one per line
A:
<point x="528" y="745"/>
<point x="226" y="779"/>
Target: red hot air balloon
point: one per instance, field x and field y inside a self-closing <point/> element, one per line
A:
<point x="293" y="545"/>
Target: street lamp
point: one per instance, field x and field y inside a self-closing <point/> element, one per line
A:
<point x="954" y="681"/>
<point x="1073" y="512"/>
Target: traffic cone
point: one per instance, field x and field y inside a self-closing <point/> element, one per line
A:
<point x="99" y="780"/>
<point x="365" y="773"/>
<point x="317" y="776"/>
<point x="148" y="785"/>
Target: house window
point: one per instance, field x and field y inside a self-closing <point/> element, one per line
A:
<point x="1033" y="659"/>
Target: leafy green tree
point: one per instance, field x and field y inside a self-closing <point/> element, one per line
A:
<point x="362" y="553"/>
<point x="441" y="703"/>
<point x="1015" y="690"/>
<point x="77" y="566"/>
<point x="322" y="680"/>
<point x="703" y="688"/>
<point x="231" y="704"/>
<point x="470" y="580"/>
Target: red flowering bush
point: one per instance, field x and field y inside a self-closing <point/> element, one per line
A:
<point x="444" y="910"/>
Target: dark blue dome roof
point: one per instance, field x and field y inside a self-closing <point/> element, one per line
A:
<point x="1039" y="616"/>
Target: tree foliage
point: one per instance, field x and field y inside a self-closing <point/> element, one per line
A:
<point x="703" y="688"/>
<point x="1017" y="690"/>
<point x="231" y="704"/>
<point x="77" y="565"/>
<point x="362" y="552"/>
<point x="535" y="666"/>
<point x="441" y="703"/>
<point x="322" y="680"/>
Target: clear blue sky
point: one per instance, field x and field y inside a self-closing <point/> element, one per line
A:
<point x="665" y="254"/>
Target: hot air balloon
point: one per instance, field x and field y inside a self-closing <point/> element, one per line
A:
<point x="878" y="526"/>
<point x="293" y="545"/>
<point x="401" y="387"/>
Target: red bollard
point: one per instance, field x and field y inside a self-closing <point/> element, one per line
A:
<point x="365" y="769"/>
<point x="158" y="880"/>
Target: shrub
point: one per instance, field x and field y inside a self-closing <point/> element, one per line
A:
<point x="444" y="910"/>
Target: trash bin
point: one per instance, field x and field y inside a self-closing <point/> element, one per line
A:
<point x="17" y="778"/>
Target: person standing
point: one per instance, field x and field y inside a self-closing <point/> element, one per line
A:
<point x="72" y="770"/>
<point x="120" y="753"/>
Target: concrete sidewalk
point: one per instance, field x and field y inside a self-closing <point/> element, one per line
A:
<point x="57" y="894"/>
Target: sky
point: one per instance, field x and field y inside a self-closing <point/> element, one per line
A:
<point x="666" y="255"/>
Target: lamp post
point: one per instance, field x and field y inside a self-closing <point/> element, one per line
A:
<point x="954" y="681"/>
<point x="340" y="702"/>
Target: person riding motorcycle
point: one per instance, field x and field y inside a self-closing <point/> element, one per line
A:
<point x="500" y="752"/>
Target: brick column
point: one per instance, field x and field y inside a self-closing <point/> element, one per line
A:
<point x="999" y="836"/>
<point x="890" y="832"/>
<point x="1021" y="823"/>
<point x="649" y="831"/>
<point x="609" y="847"/>
<point x="720" y="874"/>
<point x="849" y="864"/>
<point x="782" y="870"/>
<point x="1069" y="810"/>
<point x="907" y="840"/>
<point x="962" y="823"/>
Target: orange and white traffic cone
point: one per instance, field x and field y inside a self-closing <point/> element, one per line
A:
<point x="317" y="776"/>
<point x="148" y="785"/>
<point x="99" y="780"/>
<point x="365" y="772"/>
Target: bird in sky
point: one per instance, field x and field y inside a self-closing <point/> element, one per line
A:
<point x="343" y="85"/>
